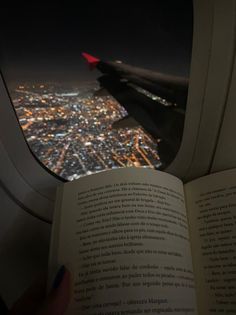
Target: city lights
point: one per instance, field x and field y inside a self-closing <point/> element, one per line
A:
<point x="70" y="130"/>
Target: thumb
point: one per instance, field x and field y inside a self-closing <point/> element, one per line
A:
<point x="59" y="297"/>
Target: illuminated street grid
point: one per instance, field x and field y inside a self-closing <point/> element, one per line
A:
<point x="70" y="130"/>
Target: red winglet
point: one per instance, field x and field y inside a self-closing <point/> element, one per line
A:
<point x="92" y="61"/>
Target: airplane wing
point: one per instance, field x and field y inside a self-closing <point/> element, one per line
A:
<point x="160" y="121"/>
<point x="173" y="89"/>
<point x="126" y="122"/>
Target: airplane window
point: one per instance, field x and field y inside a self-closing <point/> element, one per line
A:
<point x="101" y="87"/>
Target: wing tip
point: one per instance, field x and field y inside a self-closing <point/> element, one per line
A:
<point x="91" y="60"/>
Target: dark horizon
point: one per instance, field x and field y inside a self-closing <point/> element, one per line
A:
<point x="45" y="44"/>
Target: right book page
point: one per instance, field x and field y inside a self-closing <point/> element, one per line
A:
<point x="211" y="207"/>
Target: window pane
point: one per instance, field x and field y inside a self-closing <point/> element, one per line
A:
<point x="128" y="111"/>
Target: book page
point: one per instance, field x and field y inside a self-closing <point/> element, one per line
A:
<point x="54" y="241"/>
<point x="124" y="236"/>
<point x="211" y="204"/>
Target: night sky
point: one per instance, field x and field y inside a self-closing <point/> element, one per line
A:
<point x="44" y="43"/>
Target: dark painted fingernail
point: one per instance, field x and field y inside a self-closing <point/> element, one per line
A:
<point x="59" y="277"/>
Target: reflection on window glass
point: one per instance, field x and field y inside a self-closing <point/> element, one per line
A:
<point x="102" y="88"/>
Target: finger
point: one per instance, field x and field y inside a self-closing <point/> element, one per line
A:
<point x="58" y="299"/>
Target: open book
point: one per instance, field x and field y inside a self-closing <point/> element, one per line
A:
<point x="139" y="241"/>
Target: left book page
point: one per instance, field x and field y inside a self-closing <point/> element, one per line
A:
<point x="123" y="234"/>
